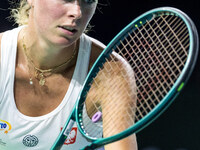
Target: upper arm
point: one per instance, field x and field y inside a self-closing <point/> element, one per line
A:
<point x="115" y="88"/>
<point x="114" y="93"/>
<point x="120" y="105"/>
<point x="114" y="83"/>
<point x="118" y="100"/>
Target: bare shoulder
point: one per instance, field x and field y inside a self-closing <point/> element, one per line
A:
<point x="96" y="48"/>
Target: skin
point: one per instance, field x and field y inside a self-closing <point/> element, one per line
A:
<point x="45" y="25"/>
<point x="116" y="96"/>
<point x="49" y="45"/>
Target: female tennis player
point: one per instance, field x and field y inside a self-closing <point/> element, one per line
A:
<point x="43" y="65"/>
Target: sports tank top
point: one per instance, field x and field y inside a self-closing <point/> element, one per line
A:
<point x="21" y="132"/>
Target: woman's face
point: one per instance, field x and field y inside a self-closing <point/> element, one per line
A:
<point x="61" y="21"/>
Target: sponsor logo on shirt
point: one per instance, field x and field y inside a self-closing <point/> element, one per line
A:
<point x="71" y="139"/>
<point x="30" y="140"/>
<point x="5" y="126"/>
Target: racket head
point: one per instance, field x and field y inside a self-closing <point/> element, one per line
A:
<point x="141" y="120"/>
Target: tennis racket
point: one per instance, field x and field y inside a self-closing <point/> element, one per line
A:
<point x="135" y="78"/>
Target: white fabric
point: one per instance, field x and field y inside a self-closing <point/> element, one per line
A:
<point x="18" y="131"/>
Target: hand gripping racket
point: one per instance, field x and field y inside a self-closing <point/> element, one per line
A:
<point x="135" y="78"/>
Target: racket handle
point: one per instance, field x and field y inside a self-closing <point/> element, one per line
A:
<point x="62" y="137"/>
<point x="93" y="146"/>
<point x="89" y="147"/>
<point x="69" y="128"/>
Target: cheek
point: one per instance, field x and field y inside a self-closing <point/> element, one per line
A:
<point x="88" y="15"/>
<point x="47" y="12"/>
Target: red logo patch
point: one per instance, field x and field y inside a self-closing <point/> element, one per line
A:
<point x="72" y="136"/>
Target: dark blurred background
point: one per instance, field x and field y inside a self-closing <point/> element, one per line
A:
<point x="179" y="127"/>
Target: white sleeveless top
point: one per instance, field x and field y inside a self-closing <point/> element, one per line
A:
<point x="21" y="132"/>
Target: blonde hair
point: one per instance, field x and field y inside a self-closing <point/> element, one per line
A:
<point x="20" y="12"/>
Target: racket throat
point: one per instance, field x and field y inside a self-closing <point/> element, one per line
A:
<point x="90" y="147"/>
<point x="69" y="128"/>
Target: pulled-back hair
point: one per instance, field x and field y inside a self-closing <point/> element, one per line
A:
<point x="20" y="11"/>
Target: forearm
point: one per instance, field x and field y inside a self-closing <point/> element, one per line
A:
<point x="129" y="143"/>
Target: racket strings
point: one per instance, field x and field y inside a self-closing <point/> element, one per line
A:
<point x="143" y="57"/>
<point x="174" y="39"/>
<point x="155" y="56"/>
<point x="146" y="82"/>
<point x="170" y="44"/>
<point x="150" y="36"/>
<point x="168" y="54"/>
<point x="142" y="109"/>
<point x="140" y="42"/>
<point x="160" y="35"/>
<point x="175" y="34"/>
<point x="158" y="38"/>
<point x="145" y="47"/>
<point x="156" y="52"/>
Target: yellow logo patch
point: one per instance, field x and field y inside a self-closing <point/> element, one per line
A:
<point x="5" y="126"/>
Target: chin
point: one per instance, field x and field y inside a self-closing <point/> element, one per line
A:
<point x="64" y="42"/>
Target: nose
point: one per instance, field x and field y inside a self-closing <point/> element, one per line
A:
<point x="75" y="12"/>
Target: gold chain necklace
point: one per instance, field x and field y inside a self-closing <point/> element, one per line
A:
<point x="39" y="73"/>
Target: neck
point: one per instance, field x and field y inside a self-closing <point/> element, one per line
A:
<point x="45" y="55"/>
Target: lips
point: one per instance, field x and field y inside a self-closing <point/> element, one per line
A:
<point x="68" y="30"/>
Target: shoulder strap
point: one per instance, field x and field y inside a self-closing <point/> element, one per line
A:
<point x="8" y="58"/>
<point x="83" y="59"/>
